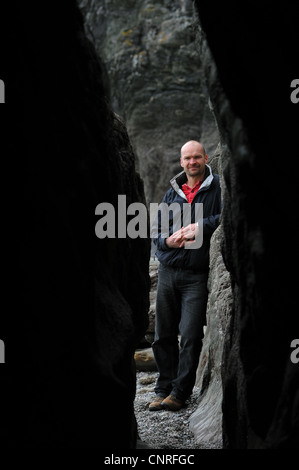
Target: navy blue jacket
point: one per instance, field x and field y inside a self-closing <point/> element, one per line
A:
<point x="209" y="194"/>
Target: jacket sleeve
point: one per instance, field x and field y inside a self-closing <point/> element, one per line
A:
<point x="211" y="222"/>
<point x="159" y="238"/>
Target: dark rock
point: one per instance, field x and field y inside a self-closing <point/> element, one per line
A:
<point x="144" y="360"/>
<point x="258" y="124"/>
<point x="73" y="318"/>
<point x="153" y="272"/>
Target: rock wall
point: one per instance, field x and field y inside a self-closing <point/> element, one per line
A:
<point x="249" y="69"/>
<point x="156" y="81"/>
<point x="206" y="421"/>
<point x="76" y="306"/>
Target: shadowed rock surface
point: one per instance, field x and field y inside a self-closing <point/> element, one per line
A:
<point x="73" y="317"/>
<point x="206" y="421"/>
<point x="251" y="101"/>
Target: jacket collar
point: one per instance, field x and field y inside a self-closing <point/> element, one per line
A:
<point x="178" y="180"/>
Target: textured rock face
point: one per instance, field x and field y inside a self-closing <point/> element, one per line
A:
<point x="153" y="271"/>
<point x="77" y="304"/>
<point x="156" y="82"/>
<point x="144" y="360"/>
<point x="206" y="421"/>
<point x="248" y="92"/>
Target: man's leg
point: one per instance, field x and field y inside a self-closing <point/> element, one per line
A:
<point x="194" y="296"/>
<point x="165" y="345"/>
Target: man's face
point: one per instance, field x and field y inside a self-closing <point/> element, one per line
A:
<point x="193" y="160"/>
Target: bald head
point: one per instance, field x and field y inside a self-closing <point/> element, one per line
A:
<point x="191" y="146"/>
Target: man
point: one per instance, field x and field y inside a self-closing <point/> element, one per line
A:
<point x="182" y="278"/>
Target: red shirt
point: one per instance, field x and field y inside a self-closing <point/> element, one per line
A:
<point x="190" y="193"/>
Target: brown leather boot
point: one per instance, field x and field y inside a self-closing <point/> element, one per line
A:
<point x="156" y="404"/>
<point x="172" y="403"/>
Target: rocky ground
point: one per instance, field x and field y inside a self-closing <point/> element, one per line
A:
<point x="163" y="429"/>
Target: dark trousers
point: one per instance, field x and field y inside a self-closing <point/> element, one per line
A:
<point x="180" y="310"/>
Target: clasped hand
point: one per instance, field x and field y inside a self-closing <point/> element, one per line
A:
<point x="184" y="236"/>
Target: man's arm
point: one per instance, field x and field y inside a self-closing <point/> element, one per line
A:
<point x="158" y="237"/>
<point x="164" y="223"/>
<point x="210" y="224"/>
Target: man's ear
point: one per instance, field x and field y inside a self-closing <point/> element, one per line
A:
<point x="206" y="158"/>
<point x="181" y="162"/>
